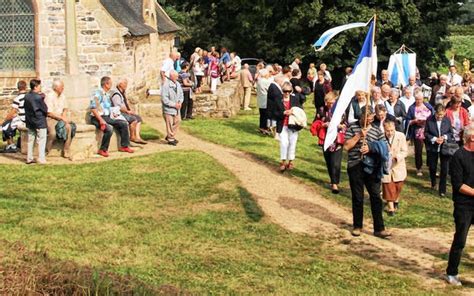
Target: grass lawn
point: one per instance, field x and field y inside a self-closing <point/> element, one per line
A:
<point x="420" y="207"/>
<point x="176" y="219"/>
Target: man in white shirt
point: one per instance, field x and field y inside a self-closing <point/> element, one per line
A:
<point x="296" y="64"/>
<point x="327" y="75"/>
<point x="408" y="98"/>
<point x="236" y="61"/>
<point x="57" y="112"/>
<point x="168" y="66"/>
<point x="386" y="89"/>
<point x="454" y="79"/>
<point x="412" y="83"/>
<point x="376" y="96"/>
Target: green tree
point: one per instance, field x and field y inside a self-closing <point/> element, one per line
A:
<point x="279" y="30"/>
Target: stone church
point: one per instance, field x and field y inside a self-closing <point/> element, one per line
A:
<point x="80" y="41"/>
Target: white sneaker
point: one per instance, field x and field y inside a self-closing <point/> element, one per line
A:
<point x="247" y="109"/>
<point x="419" y="173"/>
<point x="453" y="280"/>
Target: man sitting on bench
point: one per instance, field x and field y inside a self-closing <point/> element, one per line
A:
<point x="57" y="114"/>
<point x="15" y="119"/>
<point x="119" y="99"/>
<point x="106" y="119"/>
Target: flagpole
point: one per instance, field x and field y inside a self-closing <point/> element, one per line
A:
<point x="370" y="76"/>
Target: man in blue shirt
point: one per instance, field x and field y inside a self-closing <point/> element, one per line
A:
<point x="225" y="62"/>
<point x="106" y="119"/>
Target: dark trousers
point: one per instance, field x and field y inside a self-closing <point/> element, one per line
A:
<point x="263" y="118"/>
<point x="333" y="164"/>
<point x="187" y="106"/>
<point x="432" y="159"/>
<point x="357" y="180"/>
<point x="418" y="153"/>
<point x="463" y="218"/>
<point x="120" y="125"/>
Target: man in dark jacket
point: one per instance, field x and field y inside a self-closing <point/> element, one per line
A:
<point x="274" y="95"/>
<point x="462" y="179"/>
<point x="397" y="109"/>
<point x="36" y="112"/>
<point x="438" y="131"/>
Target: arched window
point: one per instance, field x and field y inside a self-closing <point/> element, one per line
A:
<point x="17" y="36"/>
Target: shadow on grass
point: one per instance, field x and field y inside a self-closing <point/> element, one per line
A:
<point x="252" y="209"/>
<point x="247" y="127"/>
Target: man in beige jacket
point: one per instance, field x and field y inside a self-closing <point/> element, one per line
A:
<point x="246" y="80"/>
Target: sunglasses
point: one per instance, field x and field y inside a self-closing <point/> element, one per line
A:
<point x="287" y="91"/>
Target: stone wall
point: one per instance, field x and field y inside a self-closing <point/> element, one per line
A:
<point x="104" y="48"/>
<point x="223" y="104"/>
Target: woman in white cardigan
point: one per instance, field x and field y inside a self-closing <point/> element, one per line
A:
<point x="393" y="182"/>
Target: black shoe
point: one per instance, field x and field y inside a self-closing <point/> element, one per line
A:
<point x="174" y="140"/>
<point x="395" y="205"/>
<point x="391" y="213"/>
<point x="382" y="234"/>
<point x="172" y="143"/>
<point x="190" y="117"/>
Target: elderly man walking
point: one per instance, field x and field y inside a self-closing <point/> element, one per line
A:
<point x="172" y="98"/>
<point x="57" y="114"/>
<point x="246" y="80"/>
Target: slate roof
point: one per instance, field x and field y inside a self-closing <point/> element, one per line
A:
<point x="164" y="23"/>
<point x="129" y="13"/>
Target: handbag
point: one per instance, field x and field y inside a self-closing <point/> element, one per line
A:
<point x="341" y="137"/>
<point x="420" y="133"/>
<point x="449" y="148"/>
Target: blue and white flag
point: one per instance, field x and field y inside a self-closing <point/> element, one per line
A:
<point x="329" y="34"/>
<point x="400" y="67"/>
<point x="364" y="68"/>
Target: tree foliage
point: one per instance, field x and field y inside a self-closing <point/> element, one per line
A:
<point x="279" y="30"/>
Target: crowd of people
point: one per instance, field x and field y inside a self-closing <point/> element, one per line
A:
<point x="46" y="119"/>
<point x="376" y="131"/>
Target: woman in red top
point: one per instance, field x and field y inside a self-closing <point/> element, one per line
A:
<point x="459" y="118"/>
<point x="288" y="136"/>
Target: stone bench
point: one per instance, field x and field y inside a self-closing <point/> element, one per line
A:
<point x="85" y="144"/>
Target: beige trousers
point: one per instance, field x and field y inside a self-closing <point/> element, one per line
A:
<point x="52" y="136"/>
<point x="246" y="99"/>
<point x="172" y="125"/>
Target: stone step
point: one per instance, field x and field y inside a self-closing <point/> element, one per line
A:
<point x="85" y="144"/>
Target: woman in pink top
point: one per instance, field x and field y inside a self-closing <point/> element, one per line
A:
<point x="415" y="121"/>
